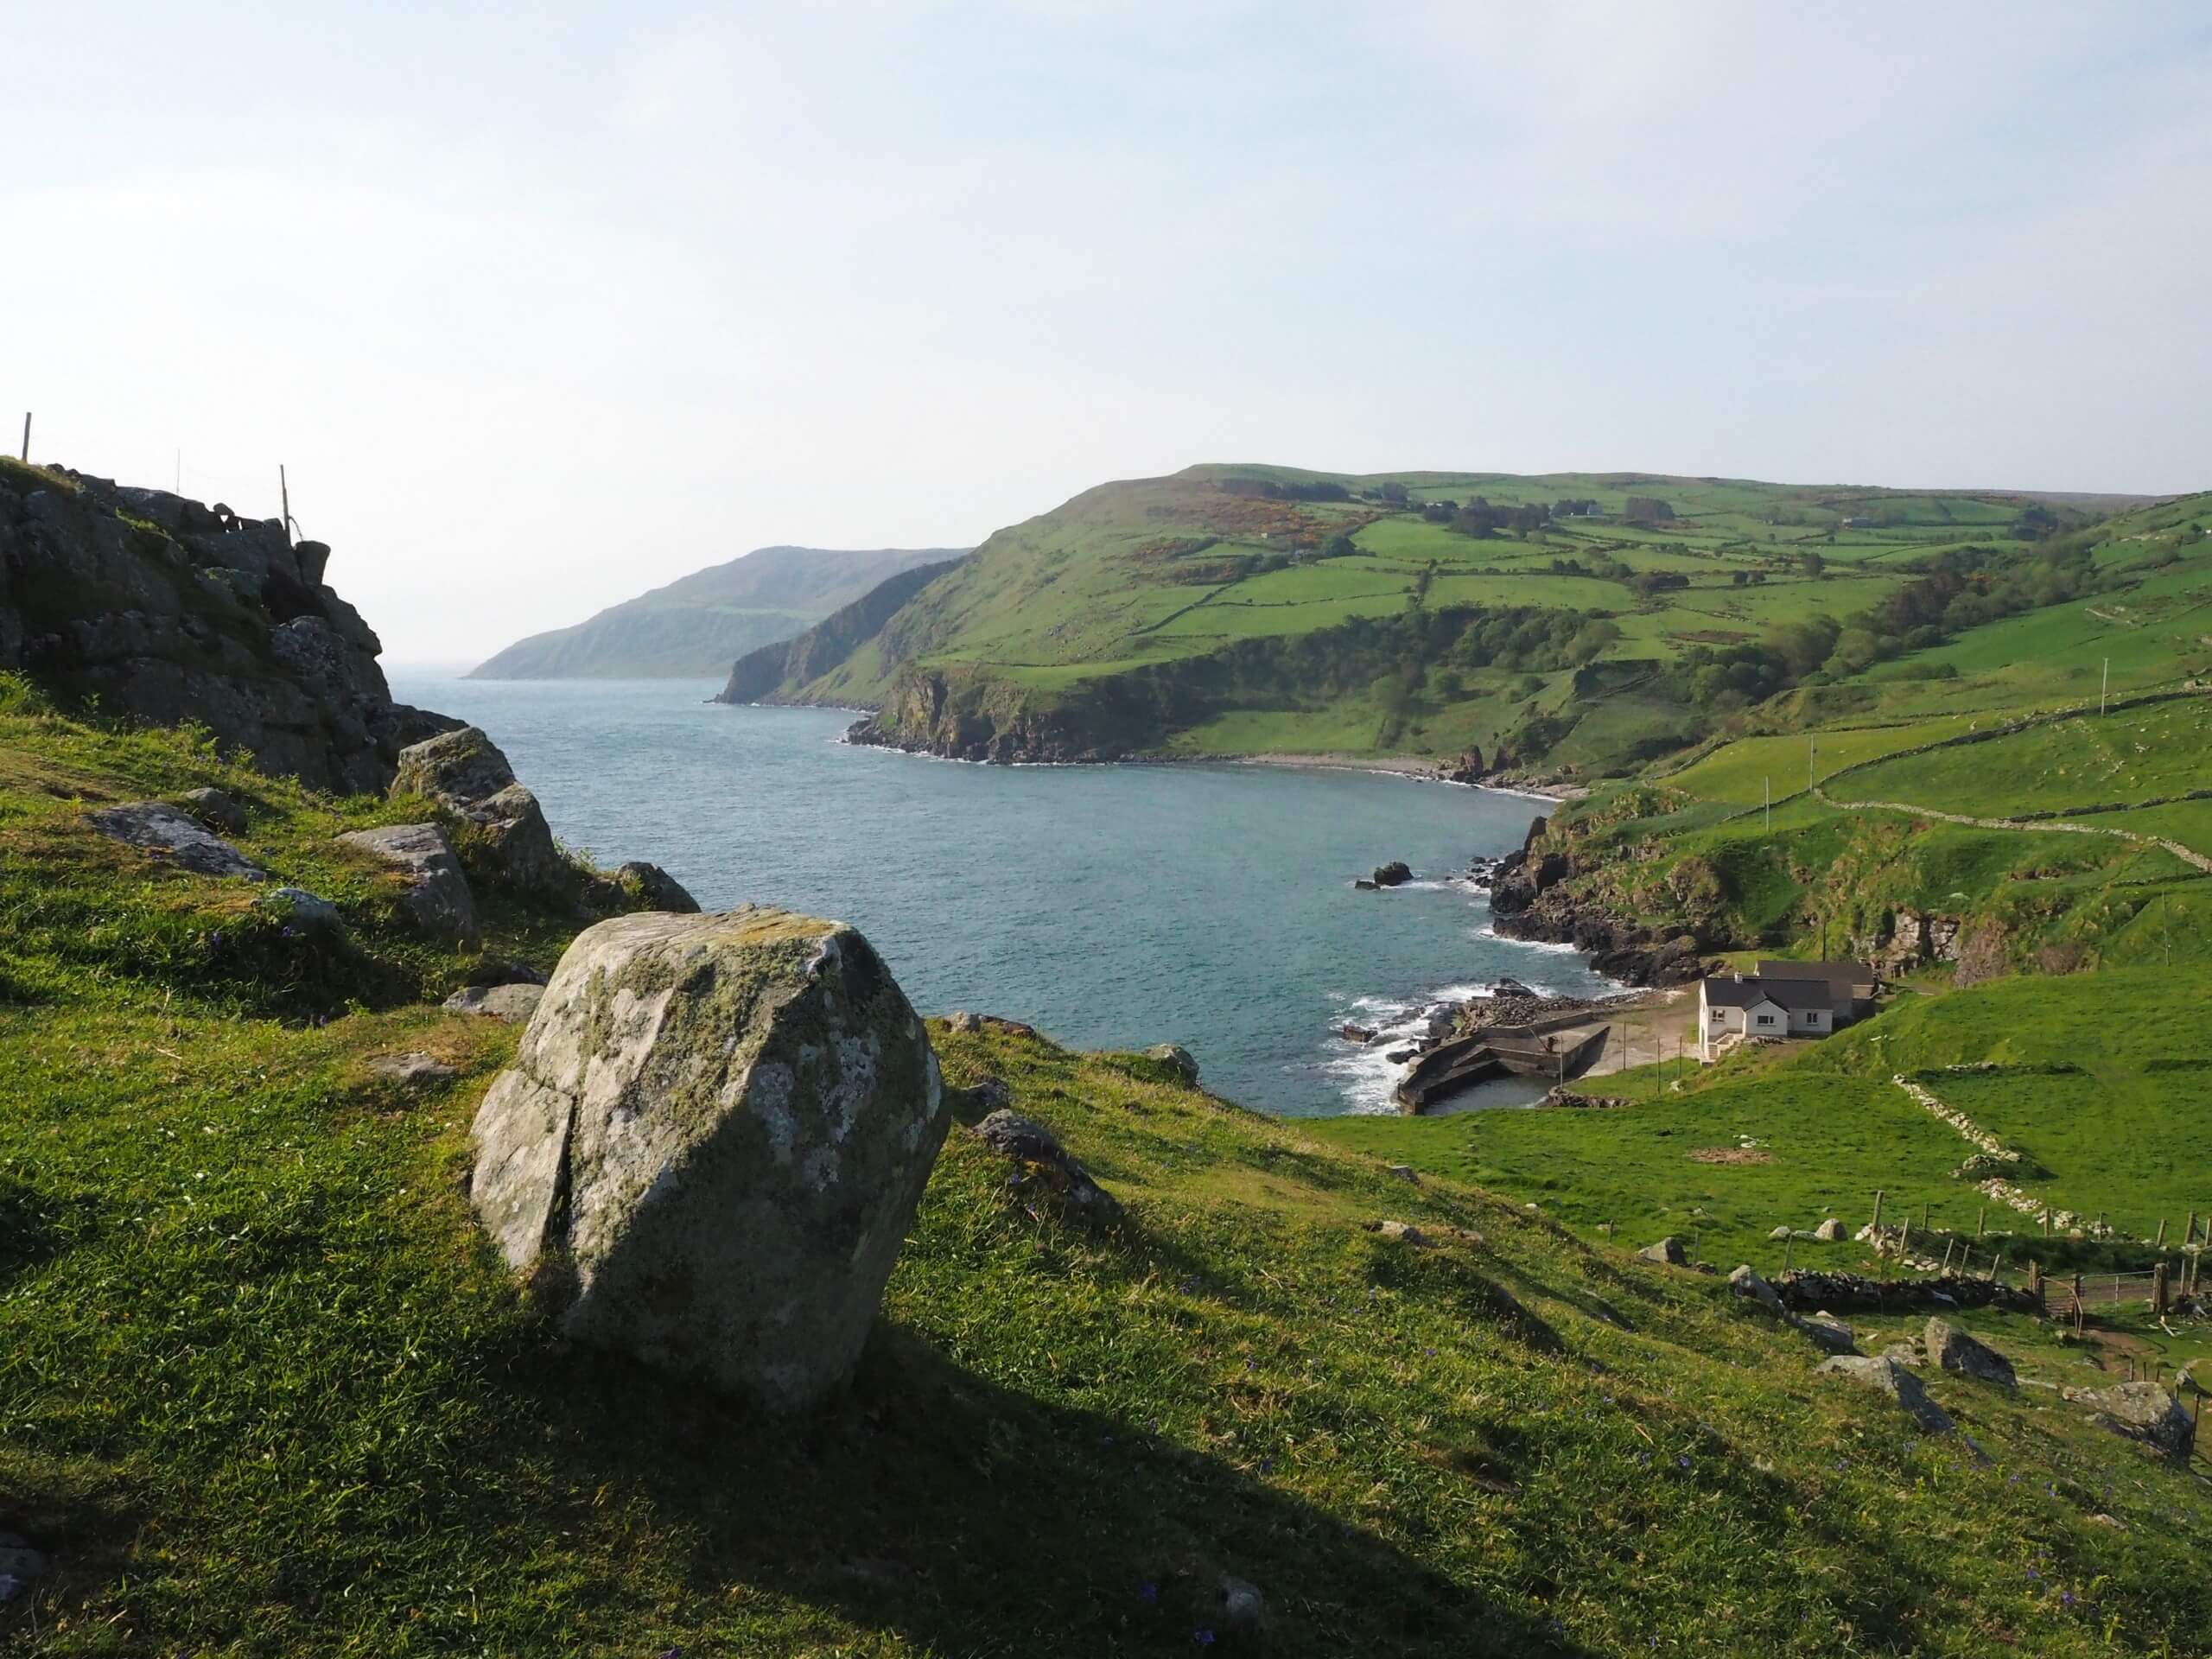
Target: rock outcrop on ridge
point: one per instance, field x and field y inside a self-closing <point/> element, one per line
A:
<point x="712" y="1143"/>
<point x="165" y="610"/>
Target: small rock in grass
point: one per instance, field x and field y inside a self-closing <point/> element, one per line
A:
<point x="1885" y="1377"/>
<point x="1828" y="1331"/>
<point x="214" y="809"/>
<point x="964" y="1022"/>
<point x="1954" y="1351"/>
<point x="1745" y="1282"/>
<point x="1781" y="1232"/>
<point x="513" y="1003"/>
<point x="1243" y="1609"/>
<point x="1829" y="1231"/>
<point x="412" y="1070"/>
<point x="157" y="828"/>
<point x="1399" y="1232"/>
<point x="1667" y="1251"/>
<point x="1050" y="1166"/>
<point x="984" y="1097"/>
<point x="1176" y="1055"/>
<point x="309" y="910"/>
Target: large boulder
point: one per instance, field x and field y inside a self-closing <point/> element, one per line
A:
<point x="438" y="895"/>
<point x="1178" y="1058"/>
<point x="175" y="838"/>
<point x="465" y="772"/>
<point x="712" y="1143"/>
<point x="2140" y="1411"/>
<point x="1951" y="1349"/>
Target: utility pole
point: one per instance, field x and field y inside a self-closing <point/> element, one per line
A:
<point x="27" y="437"/>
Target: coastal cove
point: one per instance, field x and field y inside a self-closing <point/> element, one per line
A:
<point x="1113" y="906"/>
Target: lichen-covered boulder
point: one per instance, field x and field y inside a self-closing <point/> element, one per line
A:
<point x="465" y="772"/>
<point x="2144" y="1412"/>
<point x="713" y="1139"/>
<point x="167" y="833"/>
<point x="1178" y="1058"/>
<point x="437" y="892"/>
<point x="1951" y="1349"/>
<point x="1883" y="1375"/>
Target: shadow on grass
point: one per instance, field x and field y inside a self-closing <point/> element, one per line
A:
<point x="970" y="1518"/>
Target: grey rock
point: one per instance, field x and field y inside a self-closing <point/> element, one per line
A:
<point x="214" y="809"/>
<point x="1829" y="1231"/>
<point x="1902" y="1353"/>
<point x="1048" y="1165"/>
<point x="21" y="1565"/>
<point x="413" y="1069"/>
<point x="1667" y="1251"/>
<point x="965" y="1022"/>
<point x="465" y="772"/>
<point x="1954" y="1351"/>
<point x="990" y="1095"/>
<point x="1175" y="1055"/>
<point x="650" y="887"/>
<point x="1885" y="1377"/>
<point x="1243" y="1609"/>
<point x="2140" y="1411"/>
<point x="1826" y="1331"/>
<point x="304" y="909"/>
<point x="438" y="895"/>
<point x="1395" y="873"/>
<point x="513" y="1003"/>
<point x="1405" y="1173"/>
<point x="504" y="973"/>
<point x="1779" y="1233"/>
<point x="1747" y="1284"/>
<point x="713" y="1140"/>
<point x="169" y="834"/>
<point x="1401" y="1232"/>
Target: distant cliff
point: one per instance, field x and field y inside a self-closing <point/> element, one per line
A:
<point x="144" y="605"/>
<point x="697" y="625"/>
<point x="777" y="672"/>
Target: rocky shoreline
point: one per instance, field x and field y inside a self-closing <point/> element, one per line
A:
<point x="1527" y="901"/>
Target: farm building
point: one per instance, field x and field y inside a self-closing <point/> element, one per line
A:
<point x="1859" y="975"/>
<point x="1754" y="1006"/>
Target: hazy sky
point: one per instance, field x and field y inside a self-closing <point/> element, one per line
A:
<point x="545" y="305"/>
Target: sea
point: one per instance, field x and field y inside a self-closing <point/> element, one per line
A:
<point x="1117" y="906"/>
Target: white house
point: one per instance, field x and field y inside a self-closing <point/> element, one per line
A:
<point x="1769" y="1008"/>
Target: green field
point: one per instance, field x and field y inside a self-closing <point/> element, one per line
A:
<point x="1240" y="608"/>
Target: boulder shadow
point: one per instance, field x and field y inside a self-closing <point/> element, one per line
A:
<point x="967" y="1516"/>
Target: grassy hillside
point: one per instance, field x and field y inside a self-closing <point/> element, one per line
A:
<point x="264" y="1391"/>
<point x="1250" y="608"/>
<point x="697" y="625"/>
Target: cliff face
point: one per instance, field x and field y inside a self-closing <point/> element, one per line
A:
<point x="778" y="673"/>
<point x="158" y="608"/>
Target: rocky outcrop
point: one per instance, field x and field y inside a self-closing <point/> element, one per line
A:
<point x="434" y="889"/>
<point x="1396" y="873"/>
<point x="164" y="610"/>
<point x="464" y="771"/>
<point x="1528" y="900"/>
<point x="513" y="1003"/>
<point x="640" y="886"/>
<point x="175" y="839"/>
<point x="712" y="1143"/>
<point x="1177" y="1058"/>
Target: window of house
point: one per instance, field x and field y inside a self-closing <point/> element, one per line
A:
<point x="1766" y="1018"/>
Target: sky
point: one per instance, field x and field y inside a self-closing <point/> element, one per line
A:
<point x="542" y="307"/>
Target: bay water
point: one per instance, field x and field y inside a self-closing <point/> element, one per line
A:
<point x="1111" y="906"/>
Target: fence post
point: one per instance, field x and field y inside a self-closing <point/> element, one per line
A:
<point x="2162" y="1231"/>
<point x="2080" y="1309"/>
<point x="2158" y="1290"/>
<point x="2035" y="1282"/>
<point x="27" y="437"/>
<point x="1996" y="1267"/>
<point x="1877" y="1209"/>
<point x="1980" y="1220"/>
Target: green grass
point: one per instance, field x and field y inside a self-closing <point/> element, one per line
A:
<point x="265" y="1391"/>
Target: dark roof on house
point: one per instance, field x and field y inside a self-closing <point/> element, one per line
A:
<point x="1836" y="973"/>
<point x="1728" y="991"/>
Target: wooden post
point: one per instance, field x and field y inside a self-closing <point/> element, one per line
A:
<point x="1923" y="1215"/>
<point x="1905" y="1238"/>
<point x="2162" y="1232"/>
<point x="2190" y="1237"/>
<point x="2046" y="1221"/>
<point x="1980" y="1220"/>
<point x="27" y="437"/>
<point x="1996" y="1266"/>
<point x="2160" y="1292"/>
<point x="2080" y="1307"/>
<point x="1949" y="1244"/>
<point x="1877" y="1209"/>
<point x="2034" y="1283"/>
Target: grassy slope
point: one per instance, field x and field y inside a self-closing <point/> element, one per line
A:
<point x="1163" y="570"/>
<point x="263" y="1391"/>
